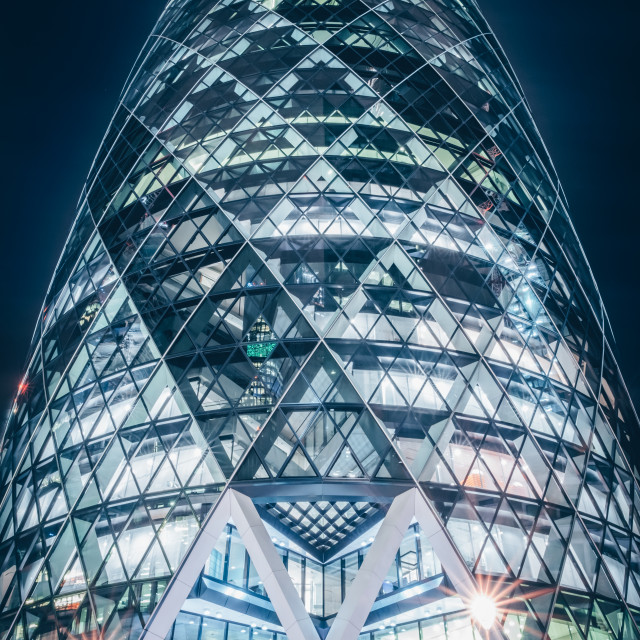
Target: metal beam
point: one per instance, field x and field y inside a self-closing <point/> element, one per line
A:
<point x="184" y="578"/>
<point x="286" y="602"/>
<point x="328" y="489"/>
<point x="283" y="595"/>
<point x="364" y="589"/>
<point x="277" y="582"/>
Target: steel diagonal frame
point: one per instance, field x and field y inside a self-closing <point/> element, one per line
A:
<point x="235" y="506"/>
<point x="364" y="589"/>
<point x="287" y="604"/>
<point x="81" y="421"/>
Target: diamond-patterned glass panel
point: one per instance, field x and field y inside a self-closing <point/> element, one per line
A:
<point x="321" y="258"/>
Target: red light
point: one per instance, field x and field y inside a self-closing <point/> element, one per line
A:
<point x="22" y="387"/>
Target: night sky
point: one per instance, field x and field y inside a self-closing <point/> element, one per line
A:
<point x="64" y="64"/>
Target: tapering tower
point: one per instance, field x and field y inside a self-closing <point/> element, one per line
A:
<point x="322" y="356"/>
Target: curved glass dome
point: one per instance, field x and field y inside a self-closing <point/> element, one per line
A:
<point x="322" y="356"/>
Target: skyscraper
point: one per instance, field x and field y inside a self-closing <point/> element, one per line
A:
<point x="322" y="356"/>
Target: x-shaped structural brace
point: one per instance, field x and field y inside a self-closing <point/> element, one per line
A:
<point x="286" y="602"/>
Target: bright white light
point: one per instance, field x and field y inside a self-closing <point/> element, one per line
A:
<point x="484" y="611"/>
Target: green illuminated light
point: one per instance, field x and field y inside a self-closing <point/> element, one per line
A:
<point x="260" y="349"/>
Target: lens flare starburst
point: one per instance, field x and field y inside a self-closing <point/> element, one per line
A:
<point x="483" y="610"/>
<point x="494" y="600"/>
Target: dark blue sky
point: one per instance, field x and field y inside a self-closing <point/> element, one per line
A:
<point x="65" y="63"/>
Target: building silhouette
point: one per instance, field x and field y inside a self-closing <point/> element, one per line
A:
<point x="322" y="356"/>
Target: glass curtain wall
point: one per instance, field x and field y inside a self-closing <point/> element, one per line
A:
<point x="322" y="257"/>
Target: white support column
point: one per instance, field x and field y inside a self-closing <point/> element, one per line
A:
<point x="277" y="582"/>
<point x="452" y="563"/>
<point x="180" y="586"/>
<point x="364" y="589"/>
<point x="283" y="595"/>
<point x="286" y="602"/>
<point x="454" y="566"/>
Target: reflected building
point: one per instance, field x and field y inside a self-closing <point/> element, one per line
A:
<point x="322" y="356"/>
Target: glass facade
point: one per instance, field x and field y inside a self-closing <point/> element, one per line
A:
<point x="322" y="257"/>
